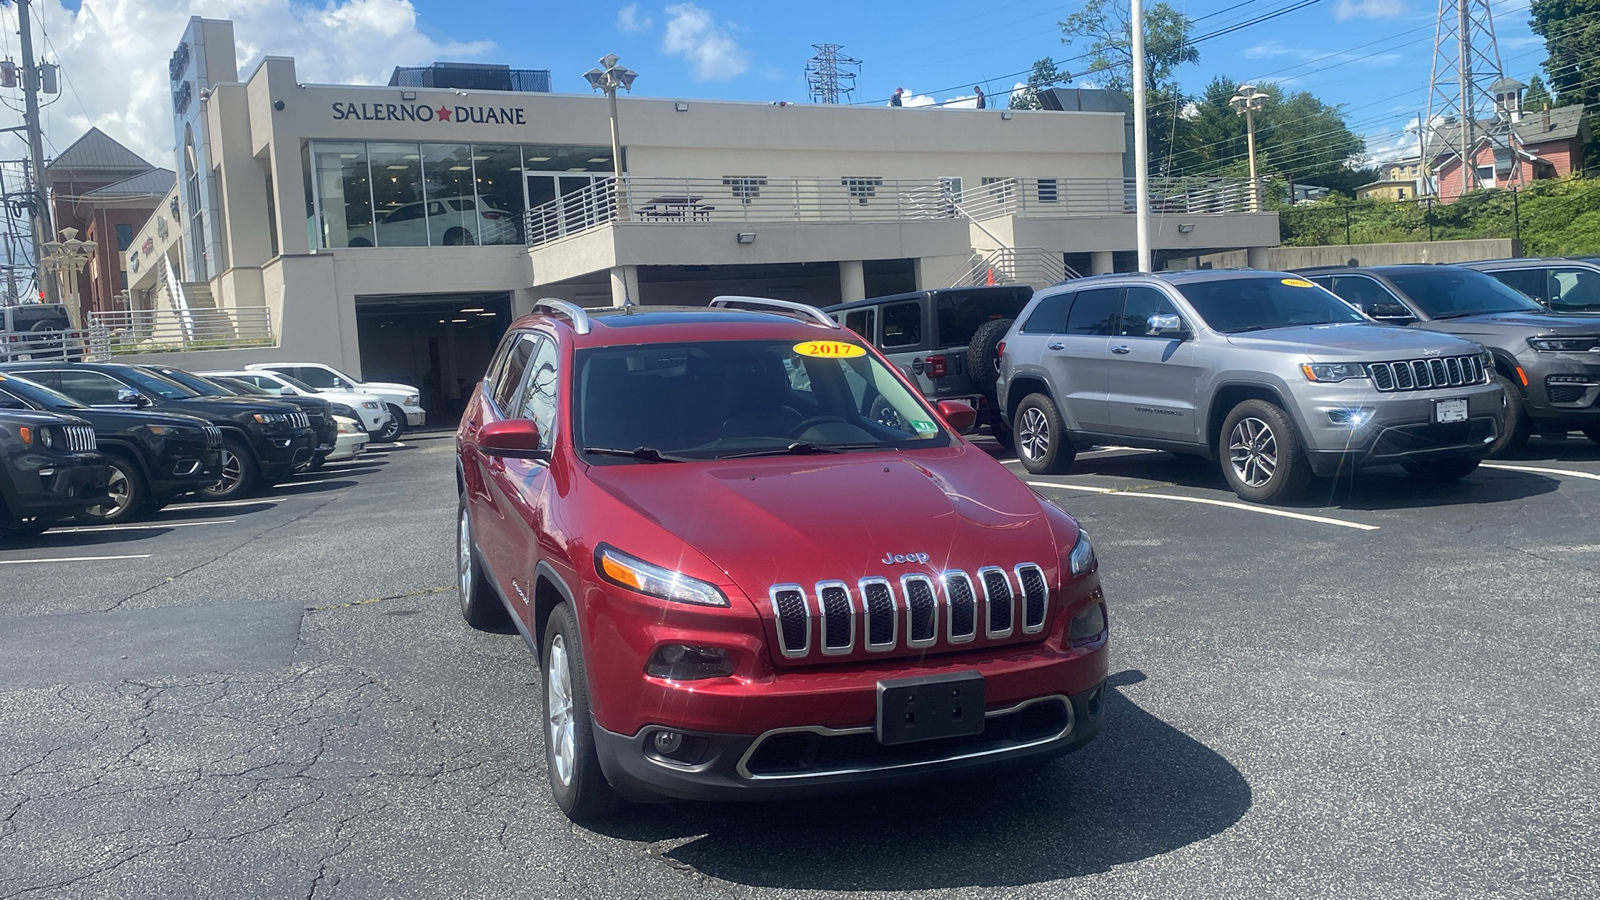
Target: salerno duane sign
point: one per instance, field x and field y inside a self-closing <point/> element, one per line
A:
<point x="423" y="112"/>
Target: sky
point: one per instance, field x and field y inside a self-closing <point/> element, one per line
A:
<point x="1371" y="56"/>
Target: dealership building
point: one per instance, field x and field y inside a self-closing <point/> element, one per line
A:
<point x="395" y="230"/>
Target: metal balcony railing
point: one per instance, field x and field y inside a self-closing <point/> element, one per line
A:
<point x="167" y="330"/>
<point x="1033" y="266"/>
<point x="1054" y="197"/>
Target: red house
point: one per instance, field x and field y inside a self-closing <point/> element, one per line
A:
<point x="1512" y="149"/>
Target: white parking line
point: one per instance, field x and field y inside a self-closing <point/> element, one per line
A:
<point x="147" y="526"/>
<point x="1266" y="511"/>
<point x="227" y="504"/>
<point x="1118" y="450"/>
<point x="291" y="484"/>
<point x="1543" y="471"/>
<point x="67" y="559"/>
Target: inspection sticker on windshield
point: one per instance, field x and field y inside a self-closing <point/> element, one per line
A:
<point x="830" y="349"/>
<point x="923" y="427"/>
<point x="1298" y="282"/>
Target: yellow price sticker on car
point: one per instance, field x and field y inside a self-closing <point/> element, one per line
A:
<point x="830" y="349"/>
<point x="1298" y="282"/>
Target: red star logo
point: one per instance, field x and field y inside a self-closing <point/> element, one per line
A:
<point x="444" y="113"/>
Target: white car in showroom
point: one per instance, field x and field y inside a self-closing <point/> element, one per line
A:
<point x="449" y="221"/>
<point x="370" y="410"/>
<point x="404" y="400"/>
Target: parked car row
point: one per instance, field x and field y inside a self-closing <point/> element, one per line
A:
<point x="157" y="433"/>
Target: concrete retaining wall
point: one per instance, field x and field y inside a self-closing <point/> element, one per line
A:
<point x="1281" y="258"/>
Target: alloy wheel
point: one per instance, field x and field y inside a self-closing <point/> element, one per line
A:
<point x="464" y="558"/>
<point x="558" y="711"/>
<point x="1033" y="433"/>
<point x="120" y="492"/>
<point x="232" y="472"/>
<point x="1253" y="452"/>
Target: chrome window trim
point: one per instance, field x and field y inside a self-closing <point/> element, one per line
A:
<point x="866" y="614"/>
<point x="777" y="619"/>
<point x="945" y="578"/>
<point x="905" y="588"/>
<point x="988" y="602"/>
<point x="1026" y="628"/>
<point x="822" y="618"/>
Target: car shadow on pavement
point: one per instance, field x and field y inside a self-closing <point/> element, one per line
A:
<point x="1575" y="448"/>
<point x="1141" y="789"/>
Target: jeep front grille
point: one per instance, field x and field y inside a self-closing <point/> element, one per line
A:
<point x="213" y="436"/>
<point x="874" y="616"/>
<point x="80" y="438"/>
<point x="1426" y="374"/>
<point x="299" y="420"/>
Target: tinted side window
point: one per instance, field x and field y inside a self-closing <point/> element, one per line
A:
<point x="1050" y="316"/>
<point x="902" y="324"/>
<point x="88" y="387"/>
<point x="1138" y="306"/>
<point x="505" y="388"/>
<point x="960" y="315"/>
<point x="1574" y="290"/>
<point x="315" y="376"/>
<point x="1371" y="298"/>
<point x="537" y="397"/>
<point x="1092" y="311"/>
<point x="862" y="322"/>
<point x="1528" y="281"/>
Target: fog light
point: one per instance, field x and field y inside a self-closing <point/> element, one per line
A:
<point x="680" y="662"/>
<point x="1358" y="416"/>
<point x="1570" y="379"/>
<point x="667" y="742"/>
<point x="1088" y="623"/>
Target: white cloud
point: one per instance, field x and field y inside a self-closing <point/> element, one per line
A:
<point x="1369" y="9"/>
<point x="628" y="19"/>
<point x="125" y="93"/>
<point x="1270" y="50"/>
<point x="693" y="33"/>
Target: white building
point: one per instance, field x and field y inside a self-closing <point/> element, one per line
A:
<point x="394" y="231"/>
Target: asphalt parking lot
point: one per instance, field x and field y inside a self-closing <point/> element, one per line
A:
<point x="1387" y="691"/>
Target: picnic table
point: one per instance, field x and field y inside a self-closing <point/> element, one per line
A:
<point x="679" y="207"/>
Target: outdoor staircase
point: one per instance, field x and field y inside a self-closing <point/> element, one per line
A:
<point x="1032" y="266"/>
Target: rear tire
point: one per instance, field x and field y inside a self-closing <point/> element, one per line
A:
<point x="1041" y="438"/>
<point x="239" y="472"/>
<point x="1516" y="427"/>
<point x="1441" y="471"/>
<point x="129" y="495"/>
<point x="480" y="606"/>
<point x="983" y="355"/>
<point x="580" y="788"/>
<point x="1261" y="454"/>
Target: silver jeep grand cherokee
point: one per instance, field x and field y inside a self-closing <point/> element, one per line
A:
<point x="1265" y="371"/>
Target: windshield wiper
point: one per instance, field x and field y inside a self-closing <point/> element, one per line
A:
<point x="648" y="454"/>
<point x="801" y="448"/>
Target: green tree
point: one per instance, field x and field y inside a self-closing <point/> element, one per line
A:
<point x="1571" y="31"/>
<point x="1537" y="95"/>
<point x="1044" y="74"/>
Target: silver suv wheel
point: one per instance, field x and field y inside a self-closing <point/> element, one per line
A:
<point x="1033" y="433"/>
<point x="558" y="711"/>
<point x="1253" y="452"/>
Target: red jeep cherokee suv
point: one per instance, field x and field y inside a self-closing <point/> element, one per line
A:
<point x="753" y="562"/>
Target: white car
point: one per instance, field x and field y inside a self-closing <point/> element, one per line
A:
<point x="351" y="442"/>
<point x="370" y="410"/>
<point x="404" y="400"/>
<point x="453" y="221"/>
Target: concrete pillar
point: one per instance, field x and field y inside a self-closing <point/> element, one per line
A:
<point x="1258" y="257"/>
<point x="1100" y="262"/>
<point x="852" y="280"/>
<point x="940" y="271"/>
<point x="624" y="284"/>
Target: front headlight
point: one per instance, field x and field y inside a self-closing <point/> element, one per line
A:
<point x="1332" y="372"/>
<point x="1081" y="559"/>
<point x="171" y="429"/>
<point x="271" y="418"/>
<point x="47" y="437"/>
<point x="371" y="404"/>
<point x="635" y="574"/>
<point x="412" y="400"/>
<point x="1564" y="345"/>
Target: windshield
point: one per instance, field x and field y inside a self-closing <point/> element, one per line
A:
<point x="1452" y="293"/>
<point x="731" y="398"/>
<point x="297" y="384"/>
<point x="239" y="385"/>
<point x="38" y="394"/>
<point x="1235" y="305"/>
<point x="194" y="382"/>
<point x="152" y="383"/>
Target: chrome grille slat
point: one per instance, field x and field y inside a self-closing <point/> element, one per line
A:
<point x="213" y="435"/>
<point x="80" y="438"/>
<point x="794" y="619"/>
<point x="962" y="604"/>
<point x="922" y="610"/>
<point x="1035" y="597"/>
<point x="838" y="618"/>
<point x="877" y="604"/>
<point x="998" y="602"/>
<point x="1425" y="374"/>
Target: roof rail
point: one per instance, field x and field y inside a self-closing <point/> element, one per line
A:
<point x="580" y="318"/>
<point x="804" y="310"/>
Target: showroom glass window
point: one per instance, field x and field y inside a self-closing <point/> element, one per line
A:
<point x="450" y="204"/>
<point x="397" y="201"/>
<point x="497" y="171"/>
<point x="342" y="184"/>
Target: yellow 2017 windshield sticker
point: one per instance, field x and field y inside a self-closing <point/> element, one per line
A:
<point x="830" y="349"/>
<point x="1298" y="282"/>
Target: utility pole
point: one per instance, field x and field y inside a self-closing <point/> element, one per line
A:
<point x="41" y="207"/>
<point x="1141" y="142"/>
<point x="1469" y="164"/>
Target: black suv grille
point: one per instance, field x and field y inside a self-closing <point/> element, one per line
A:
<point x="870" y="617"/>
<point x="1426" y="374"/>
<point x="80" y="438"/>
<point x="213" y="436"/>
<point x="299" y="420"/>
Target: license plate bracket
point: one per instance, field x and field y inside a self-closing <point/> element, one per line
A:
<point x="928" y="707"/>
<point x="1447" y="411"/>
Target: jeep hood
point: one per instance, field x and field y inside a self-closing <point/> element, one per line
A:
<point x="1334" y="343"/>
<point x="1516" y="322"/>
<point x="836" y="517"/>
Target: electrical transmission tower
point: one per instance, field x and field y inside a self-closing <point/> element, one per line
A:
<point x="1466" y="63"/>
<point x="831" y="77"/>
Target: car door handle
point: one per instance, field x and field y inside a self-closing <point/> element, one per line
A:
<point x="1120" y="348"/>
<point x="1055" y="345"/>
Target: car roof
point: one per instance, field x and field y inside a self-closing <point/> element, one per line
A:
<point x="621" y="325"/>
<point x="998" y="289"/>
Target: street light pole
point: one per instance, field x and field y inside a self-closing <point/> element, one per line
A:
<point x="36" y="198"/>
<point x="66" y="258"/>
<point x="1246" y="102"/>
<point x="1141" y="141"/>
<point x="607" y="80"/>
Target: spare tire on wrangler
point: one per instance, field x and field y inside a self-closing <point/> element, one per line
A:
<point x="983" y="354"/>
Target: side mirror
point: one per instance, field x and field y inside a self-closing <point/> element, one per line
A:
<point x="1166" y="325"/>
<point x="958" y="414"/>
<point x="514" y="438"/>
<point x="131" y="396"/>
<point x="343" y="385"/>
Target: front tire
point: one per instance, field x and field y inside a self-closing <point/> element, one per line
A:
<point x="396" y="426"/>
<point x="1441" y="471"/>
<point x="580" y="788"/>
<point x="480" y="606"/>
<point x="128" y="494"/>
<point x="1517" y="427"/>
<point x="1261" y="454"/>
<point x="1040" y="437"/>
<point x="239" y="472"/>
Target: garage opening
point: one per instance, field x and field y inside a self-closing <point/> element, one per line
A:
<point x="439" y="342"/>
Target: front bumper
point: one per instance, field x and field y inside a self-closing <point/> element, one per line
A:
<point x="1397" y="425"/>
<point x="186" y="467"/>
<point x="54" y="488"/>
<point x="281" y="453"/>
<point x="1563" y="389"/>
<point x="810" y="761"/>
<point x="348" y="446"/>
<point x="416" y="416"/>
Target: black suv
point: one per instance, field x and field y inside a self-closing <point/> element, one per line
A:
<point x="263" y="441"/>
<point x="319" y="412"/>
<point x="1549" y="362"/>
<point x="154" y="457"/>
<point x="945" y="341"/>
<point x="49" y="470"/>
